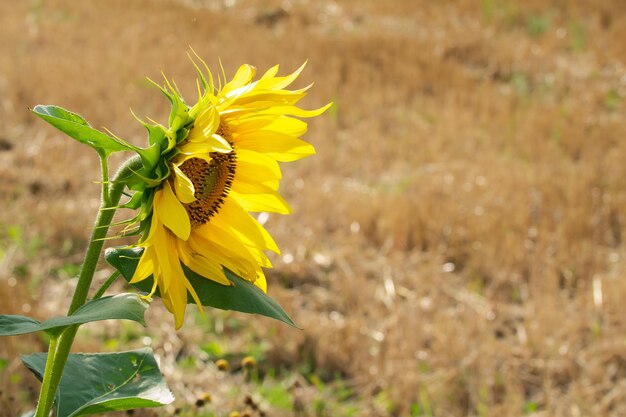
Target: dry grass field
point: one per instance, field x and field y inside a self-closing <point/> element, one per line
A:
<point x="457" y="244"/>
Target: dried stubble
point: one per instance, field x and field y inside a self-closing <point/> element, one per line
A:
<point x="466" y="208"/>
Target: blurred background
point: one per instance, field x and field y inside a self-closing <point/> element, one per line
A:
<point x="456" y="247"/>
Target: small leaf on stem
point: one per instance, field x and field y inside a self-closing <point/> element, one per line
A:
<point x="77" y="127"/>
<point x="121" y="307"/>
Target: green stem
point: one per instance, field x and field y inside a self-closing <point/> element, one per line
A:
<point x="59" y="349"/>
<point x="47" y="376"/>
<point x="108" y="203"/>
<point x="106" y="285"/>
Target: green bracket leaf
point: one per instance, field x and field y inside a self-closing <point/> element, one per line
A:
<point x="242" y="296"/>
<point x="99" y="382"/>
<point x="122" y="307"/>
<point x="77" y="127"/>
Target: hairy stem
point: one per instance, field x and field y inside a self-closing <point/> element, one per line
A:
<point x="59" y="348"/>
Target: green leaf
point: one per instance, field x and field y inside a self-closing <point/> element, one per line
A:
<point x="242" y="296"/>
<point x="77" y="127"/>
<point x="122" y="307"/>
<point x="11" y="325"/>
<point x="100" y="382"/>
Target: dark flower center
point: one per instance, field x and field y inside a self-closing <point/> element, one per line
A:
<point x="211" y="180"/>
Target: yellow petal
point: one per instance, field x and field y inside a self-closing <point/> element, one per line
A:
<point x="236" y="220"/>
<point x="232" y="246"/>
<point x="244" y="75"/>
<point x="237" y="262"/>
<point x="278" y="83"/>
<point x="164" y="257"/>
<point x="220" y="144"/>
<point x="276" y="97"/>
<point x="278" y="145"/>
<point x="200" y="264"/>
<point x="145" y="267"/>
<point x="254" y="167"/>
<point x="261" y="282"/>
<point x="154" y="222"/>
<point x="288" y="126"/>
<point x="184" y="187"/>
<point x="270" y="73"/>
<point x="213" y="143"/>
<point x="175" y="300"/>
<point x="195" y="297"/>
<point x="206" y="124"/>
<point x="246" y="124"/>
<point x="295" y="111"/>
<point x="189" y="288"/>
<point x="176" y="292"/>
<point x="172" y="213"/>
<point x="257" y="198"/>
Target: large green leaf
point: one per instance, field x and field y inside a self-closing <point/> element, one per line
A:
<point x="100" y="382"/>
<point x="77" y="127"/>
<point x="122" y="307"/>
<point x="241" y="296"/>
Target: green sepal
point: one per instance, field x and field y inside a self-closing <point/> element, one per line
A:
<point x="179" y="115"/>
<point x="241" y="296"/>
<point x="150" y="156"/>
<point x="78" y="128"/>
<point x="94" y="383"/>
<point x="140" y="181"/>
<point x="162" y="170"/>
<point x="156" y="132"/>
<point x="181" y="134"/>
<point x="121" y="307"/>
<point x="146" y="207"/>
<point x="134" y="202"/>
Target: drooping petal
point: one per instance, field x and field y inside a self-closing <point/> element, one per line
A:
<point x="166" y="259"/>
<point x="232" y="246"/>
<point x="235" y="219"/>
<point x="201" y="265"/>
<point x="176" y="291"/>
<point x="146" y="265"/>
<point x="261" y="282"/>
<point x="216" y="252"/>
<point x="171" y="212"/>
<point x="183" y="186"/>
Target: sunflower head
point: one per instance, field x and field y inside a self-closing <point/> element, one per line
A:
<point x="202" y="176"/>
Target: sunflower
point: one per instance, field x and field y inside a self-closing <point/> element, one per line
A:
<point x="224" y="167"/>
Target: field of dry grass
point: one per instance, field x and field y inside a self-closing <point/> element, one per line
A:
<point x="457" y="245"/>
